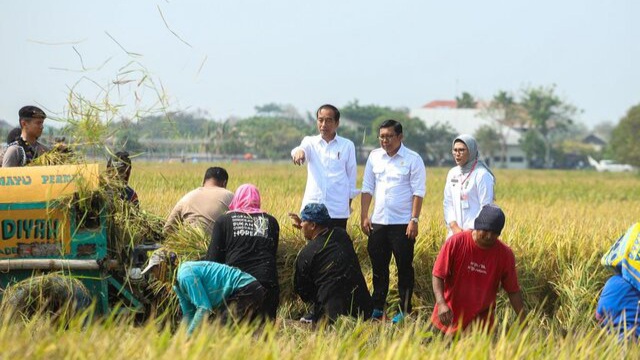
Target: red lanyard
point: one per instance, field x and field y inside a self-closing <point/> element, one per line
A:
<point x="467" y="178"/>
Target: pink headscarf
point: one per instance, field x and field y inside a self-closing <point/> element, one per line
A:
<point x="246" y="200"/>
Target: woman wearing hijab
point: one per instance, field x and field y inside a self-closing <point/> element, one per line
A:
<point x="247" y="238"/>
<point x="468" y="188"/>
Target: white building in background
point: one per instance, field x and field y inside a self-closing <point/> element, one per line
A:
<point x="467" y="121"/>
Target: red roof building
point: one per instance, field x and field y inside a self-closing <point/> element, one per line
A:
<point x="441" y="104"/>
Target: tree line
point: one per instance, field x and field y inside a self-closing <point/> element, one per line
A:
<point x="550" y="134"/>
<point x="274" y="130"/>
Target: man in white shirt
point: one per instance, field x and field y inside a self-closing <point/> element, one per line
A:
<point x="331" y="167"/>
<point x="396" y="177"/>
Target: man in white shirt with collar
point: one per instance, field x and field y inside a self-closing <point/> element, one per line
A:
<point x="331" y="169"/>
<point x="396" y="177"/>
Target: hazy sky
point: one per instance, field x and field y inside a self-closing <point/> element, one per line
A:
<point x="244" y="53"/>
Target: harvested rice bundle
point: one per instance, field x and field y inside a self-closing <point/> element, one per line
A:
<point x="53" y="295"/>
<point x="129" y="226"/>
<point x="60" y="154"/>
<point x="188" y="242"/>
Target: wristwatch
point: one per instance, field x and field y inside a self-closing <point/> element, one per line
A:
<point x="414" y="219"/>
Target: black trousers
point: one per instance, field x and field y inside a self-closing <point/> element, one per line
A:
<point x="244" y="304"/>
<point x="385" y="240"/>
<point x="269" y="307"/>
<point x="347" y="306"/>
<point x="341" y="223"/>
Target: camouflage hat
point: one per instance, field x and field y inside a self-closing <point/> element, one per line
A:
<point x="31" y="112"/>
<point x="316" y="213"/>
<point x="157" y="257"/>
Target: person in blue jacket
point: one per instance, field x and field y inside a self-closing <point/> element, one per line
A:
<point x="203" y="287"/>
<point x="618" y="307"/>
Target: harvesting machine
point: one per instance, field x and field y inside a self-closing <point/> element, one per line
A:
<point x="46" y="226"/>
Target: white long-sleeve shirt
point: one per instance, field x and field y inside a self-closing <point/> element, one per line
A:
<point x="463" y="199"/>
<point x="331" y="173"/>
<point x="393" y="182"/>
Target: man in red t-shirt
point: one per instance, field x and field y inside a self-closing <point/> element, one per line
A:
<point x="468" y="271"/>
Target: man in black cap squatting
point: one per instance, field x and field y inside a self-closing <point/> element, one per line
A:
<point x="26" y="147"/>
<point x="327" y="271"/>
<point x="469" y="268"/>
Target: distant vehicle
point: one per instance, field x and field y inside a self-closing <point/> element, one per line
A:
<point x="609" y="166"/>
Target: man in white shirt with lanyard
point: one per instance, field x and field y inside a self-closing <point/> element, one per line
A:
<point x="331" y="167"/>
<point x="396" y="177"/>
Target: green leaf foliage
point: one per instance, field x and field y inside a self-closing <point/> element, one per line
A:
<point x="465" y="101"/>
<point x="625" y="144"/>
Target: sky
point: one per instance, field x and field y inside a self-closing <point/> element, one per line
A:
<point x="224" y="57"/>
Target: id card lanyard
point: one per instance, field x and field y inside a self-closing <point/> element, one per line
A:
<point x="463" y="197"/>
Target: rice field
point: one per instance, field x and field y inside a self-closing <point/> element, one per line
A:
<point x="559" y="223"/>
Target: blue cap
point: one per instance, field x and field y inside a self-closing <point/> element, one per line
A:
<point x="316" y="213"/>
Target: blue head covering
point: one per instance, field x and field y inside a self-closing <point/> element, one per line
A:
<point x="474" y="155"/>
<point x="316" y="213"/>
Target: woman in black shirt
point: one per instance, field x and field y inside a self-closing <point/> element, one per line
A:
<point x="247" y="238"/>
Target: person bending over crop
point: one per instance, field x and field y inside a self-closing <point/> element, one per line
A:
<point x="327" y="271"/>
<point x="618" y="308"/>
<point x="205" y="286"/>
<point x="247" y="237"/>
<point x="469" y="268"/>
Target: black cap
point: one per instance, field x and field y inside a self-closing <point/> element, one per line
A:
<point x="491" y="218"/>
<point x="31" y="112"/>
